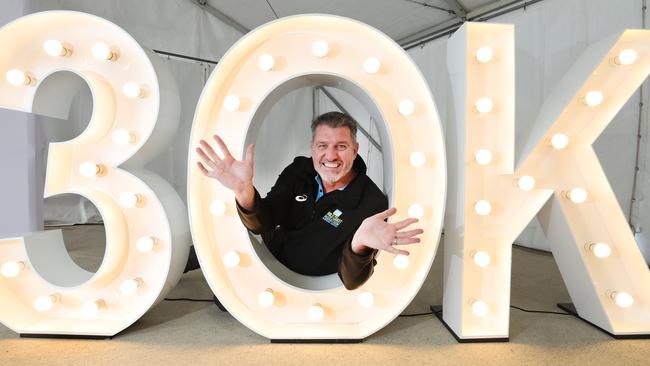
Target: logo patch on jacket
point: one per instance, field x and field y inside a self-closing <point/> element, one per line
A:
<point x="333" y="219"/>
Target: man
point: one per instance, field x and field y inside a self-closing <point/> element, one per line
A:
<point x="324" y="214"/>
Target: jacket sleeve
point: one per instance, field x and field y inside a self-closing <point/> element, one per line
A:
<point x="356" y="269"/>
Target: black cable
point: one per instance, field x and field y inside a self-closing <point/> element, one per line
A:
<point x="418" y="314"/>
<point x="539" y="311"/>
<point x="450" y="12"/>
<point x="271" y="6"/>
<point x="188" y="299"/>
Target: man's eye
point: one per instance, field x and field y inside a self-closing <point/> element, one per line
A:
<point x="321" y="147"/>
<point x="341" y="147"/>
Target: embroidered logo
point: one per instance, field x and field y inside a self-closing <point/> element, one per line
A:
<point x="301" y="198"/>
<point x="333" y="218"/>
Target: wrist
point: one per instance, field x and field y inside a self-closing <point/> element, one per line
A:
<point x="246" y="197"/>
<point x="359" y="249"/>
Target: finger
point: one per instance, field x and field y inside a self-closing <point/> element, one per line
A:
<point x="386" y="214"/>
<point x="209" y="150"/>
<point x="404" y="223"/>
<point x="203" y="170"/>
<point x="223" y="147"/>
<point x="206" y="159"/>
<point x="403" y="241"/>
<point x="408" y="234"/>
<point x="392" y="249"/>
<point x="250" y="154"/>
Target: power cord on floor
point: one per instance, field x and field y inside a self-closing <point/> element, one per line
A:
<point x="538" y="311"/>
<point x="188" y="299"/>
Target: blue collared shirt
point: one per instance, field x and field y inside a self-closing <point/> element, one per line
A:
<point x="321" y="192"/>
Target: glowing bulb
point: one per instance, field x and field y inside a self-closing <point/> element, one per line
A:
<point x="481" y="258"/>
<point x="45" y="303"/>
<point x="123" y="137"/>
<point x="417" y="159"/>
<point x="218" y="208"/>
<point x="484" y="54"/>
<point x="316" y="312"/>
<point x="483" y="157"/>
<point x="401" y="261"/>
<point x="479" y="308"/>
<point x="526" y="183"/>
<point x="372" y="65"/>
<point x="622" y="299"/>
<point x="559" y="141"/>
<point x="266" y="298"/>
<point x="484" y="105"/>
<point x="416" y="211"/>
<point x="130" y="287"/>
<point x="593" y="98"/>
<point x="145" y="244"/>
<point x="626" y="57"/>
<point x="12" y="269"/>
<point x="130" y="199"/>
<point x="89" y="169"/>
<point x="576" y="195"/>
<point x="92" y="308"/>
<point x="266" y="62"/>
<point x="132" y="90"/>
<point x="320" y="48"/>
<point x="102" y="52"/>
<point x="55" y="48"/>
<point x="599" y="250"/>
<point x="232" y="103"/>
<point x="18" y="77"/>
<point x="483" y="207"/>
<point x="231" y="259"/>
<point x="366" y="299"/>
<point x="406" y="107"/>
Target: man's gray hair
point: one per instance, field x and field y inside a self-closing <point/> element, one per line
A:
<point x="335" y="120"/>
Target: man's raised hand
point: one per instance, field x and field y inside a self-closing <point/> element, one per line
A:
<point x="376" y="233"/>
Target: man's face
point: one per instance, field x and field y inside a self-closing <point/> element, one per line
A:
<point x="333" y="152"/>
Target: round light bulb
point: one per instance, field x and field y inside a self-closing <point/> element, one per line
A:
<point x="526" y="183"/>
<point x="316" y="312"/>
<point x="593" y="98"/>
<point x="45" y="302"/>
<point x="92" y="308"/>
<point x="371" y="65"/>
<point x="266" y="62"/>
<point x="559" y="141"/>
<point x="55" y="48"/>
<point x="406" y="107"/>
<point x="129" y="199"/>
<point x="483" y="157"/>
<point x="415" y="211"/>
<point x="145" y="244"/>
<point x="123" y="137"/>
<point x="102" y="52"/>
<point x="483" y="207"/>
<point x="622" y="299"/>
<point x="231" y="259"/>
<point x="600" y="250"/>
<point x="89" y="169"/>
<point x="17" y="77"/>
<point x="232" y="103"/>
<point x="12" y="269"/>
<point x="401" y="261"/>
<point x="132" y="90"/>
<point x="417" y="159"/>
<point x="366" y="299"/>
<point x="218" y="208"/>
<point x="577" y="195"/>
<point x="266" y="298"/>
<point x="484" y="54"/>
<point x="481" y="258"/>
<point x="626" y="57"/>
<point x="479" y="308"/>
<point x="484" y="105"/>
<point x="131" y="286"/>
<point x="320" y="48"/>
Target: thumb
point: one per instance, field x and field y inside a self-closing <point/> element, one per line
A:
<point x="386" y="214"/>
<point x="250" y="152"/>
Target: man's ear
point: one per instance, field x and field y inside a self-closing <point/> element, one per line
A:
<point x="356" y="148"/>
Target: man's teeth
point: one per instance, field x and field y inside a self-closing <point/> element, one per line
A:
<point x="331" y="165"/>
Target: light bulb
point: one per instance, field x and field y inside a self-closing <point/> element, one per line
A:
<point x="593" y="98"/>
<point x="266" y="62"/>
<point x="55" y="48"/>
<point x="576" y="195"/>
<point x="366" y="299"/>
<point x="406" y="107"/>
<point x="123" y="137"/>
<point x="371" y="65"/>
<point x="401" y="261"/>
<point x="483" y="157"/>
<point x="316" y="312"/>
<point x="526" y="183"/>
<point x="89" y="169"/>
<point x="599" y="250"/>
<point x="479" y="308"/>
<point x="481" y="258"/>
<point x="417" y="159"/>
<point x="102" y="52"/>
<point x="12" y="269"/>
<point x="484" y="105"/>
<point x="320" y="48"/>
<point x="622" y="299"/>
<point x="18" y="78"/>
<point x="231" y="259"/>
<point x="626" y="57"/>
<point x="218" y="208"/>
<point x="266" y="298"/>
<point x="92" y="308"/>
<point x="45" y="303"/>
<point x="132" y="90"/>
<point x="231" y="103"/>
<point x="145" y="244"/>
<point x="131" y="286"/>
<point x="559" y="141"/>
<point x="483" y="207"/>
<point x="484" y="54"/>
<point x="415" y="211"/>
<point x="130" y="199"/>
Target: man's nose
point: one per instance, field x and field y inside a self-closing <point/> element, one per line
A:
<point x="331" y="154"/>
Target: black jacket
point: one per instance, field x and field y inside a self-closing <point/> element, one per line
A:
<point x="313" y="238"/>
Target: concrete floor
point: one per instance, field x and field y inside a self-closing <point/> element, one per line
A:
<point x="195" y="333"/>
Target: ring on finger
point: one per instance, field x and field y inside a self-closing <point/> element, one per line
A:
<point x="394" y="241"/>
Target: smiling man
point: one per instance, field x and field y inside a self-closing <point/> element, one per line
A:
<point x="324" y="215"/>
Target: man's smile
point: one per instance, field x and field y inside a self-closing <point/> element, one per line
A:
<point x="331" y="165"/>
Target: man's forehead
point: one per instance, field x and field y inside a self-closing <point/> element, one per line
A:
<point x="326" y="133"/>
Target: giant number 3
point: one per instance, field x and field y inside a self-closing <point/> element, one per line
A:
<point x="135" y="102"/>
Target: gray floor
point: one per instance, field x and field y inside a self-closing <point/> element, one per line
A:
<point x="195" y="333"/>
